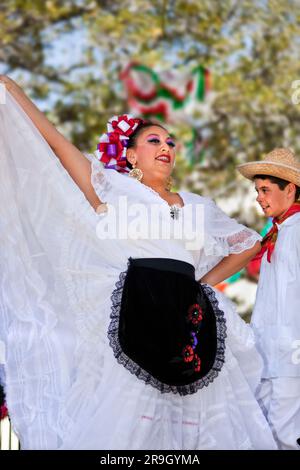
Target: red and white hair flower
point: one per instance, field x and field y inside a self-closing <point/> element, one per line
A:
<point x="111" y="149"/>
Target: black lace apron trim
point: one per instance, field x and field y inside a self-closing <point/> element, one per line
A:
<point x="166" y="328"/>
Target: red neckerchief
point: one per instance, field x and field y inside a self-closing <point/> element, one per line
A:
<point x="269" y="240"/>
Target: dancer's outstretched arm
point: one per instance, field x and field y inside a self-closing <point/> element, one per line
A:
<point x="230" y="265"/>
<point x="71" y="158"/>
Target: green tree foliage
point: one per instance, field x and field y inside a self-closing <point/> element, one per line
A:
<point x="251" y="48"/>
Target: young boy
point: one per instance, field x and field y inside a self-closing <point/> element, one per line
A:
<point x="276" y="315"/>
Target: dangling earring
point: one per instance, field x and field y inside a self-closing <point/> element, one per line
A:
<point x="136" y="173"/>
<point x="169" y="183"/>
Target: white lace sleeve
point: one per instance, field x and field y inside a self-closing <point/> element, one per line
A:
<point x="243" y="240"/>
<point x="226" y="235"/>
<point x="223" y="236"/>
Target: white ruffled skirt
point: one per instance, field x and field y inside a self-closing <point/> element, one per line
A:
<point x="64" y="387"/>
<point x="114" y="410"/>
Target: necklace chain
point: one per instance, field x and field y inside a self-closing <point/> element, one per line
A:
<point x="174" y="208"/>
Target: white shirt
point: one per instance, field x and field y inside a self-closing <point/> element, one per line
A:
<point x="276" y="316"/>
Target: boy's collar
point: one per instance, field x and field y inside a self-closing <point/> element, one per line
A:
<point x="293" y="219"/>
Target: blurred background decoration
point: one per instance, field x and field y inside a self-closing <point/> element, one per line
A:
<point x="220" y="73"/>
<point x="173" y="97"/>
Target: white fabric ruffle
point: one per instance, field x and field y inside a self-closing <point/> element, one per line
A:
<point x="65" y="390"/>
<point x="133" y="415"/>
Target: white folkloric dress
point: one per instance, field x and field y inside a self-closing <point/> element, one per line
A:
<point x="64" y="387"/>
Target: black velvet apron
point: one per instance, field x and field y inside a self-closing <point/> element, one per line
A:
<point x="167" y="328"/>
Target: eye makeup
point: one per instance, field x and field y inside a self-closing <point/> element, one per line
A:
<point x="171" y="142"/>
<point x="154" y="138"/>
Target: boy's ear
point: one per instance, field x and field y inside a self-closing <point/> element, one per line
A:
<point x="291" y="189"/>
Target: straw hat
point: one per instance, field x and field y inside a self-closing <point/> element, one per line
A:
<point x="281" y="163"/>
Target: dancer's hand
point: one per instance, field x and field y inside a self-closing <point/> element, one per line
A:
<point x="76" y="164"/>
<point x="10" y="84"/>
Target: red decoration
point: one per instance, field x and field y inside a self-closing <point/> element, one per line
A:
<point x="188" y="354"/>
<point x="3" y="412"/>
<point x="195" y="314"/>
<point x="197" y="363"/>
<point x="112" y="145"/>
<point x="125" y="125"/>
<point x="106" y="148"/>
<point x="269" y="240"/>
